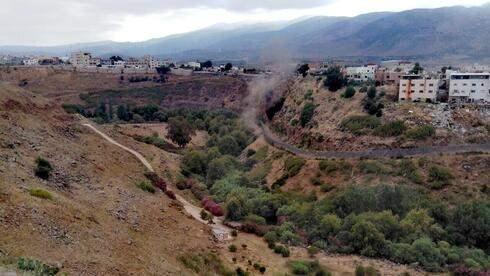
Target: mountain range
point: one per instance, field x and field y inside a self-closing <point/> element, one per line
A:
<point x="444" y="33"/>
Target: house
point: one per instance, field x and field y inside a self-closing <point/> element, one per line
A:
<point x="362" y="73"/>
<point x="194" y="65"/>
<point x="31" y="62"/>
<point x="418" y="88"/>
<point x="469" y="87"/>
<point x="80" y="59"/>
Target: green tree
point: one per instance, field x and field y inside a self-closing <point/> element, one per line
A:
<point x="417" y="69"/>
<point x="179" y="131"/>
<point x="207" y="64"/>
<point x="349" y="92"/>
<point x="335" y="79"/>
<point x="307" y="113"/>
<point x="366" y="239"/>
<point x="303" y="69"/>
<point x="228" y="67"/>
<point x="371" y="92"/>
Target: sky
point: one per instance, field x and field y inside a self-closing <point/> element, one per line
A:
<point x="56" y="22"/>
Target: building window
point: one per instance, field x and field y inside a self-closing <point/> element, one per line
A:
<point x="421" y="91"/>
<point x="404" y="85"/>
<point x="473" y="91"/>
<point x="473" y="84"/>
<point x="430" y="91"/>
<point x="431" y="84"/>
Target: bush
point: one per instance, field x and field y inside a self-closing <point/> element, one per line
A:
<point x="43" y="169"/>
<point x="204" y="264"/>
<point x="232" y="248"/>
<point x="371" y="93"/>
<point x="234" y="233"/>
<point x="371" y="167"/>
<point x="147" y="187"/>
<point x="390" y="129"/>
<point x="307" y="113"/>
<point x="439" y="177"/>
<point x="36" y="267"/>
<point x="421" y="132"/>
<point x="316" y="181"/>
<point x="40" y="193"/>
<point x="293" y="166"/>
<point x="326" y="188"/>
<point x="255" y="219"/>
<point x="357" y="124"/>
<point x="282" y="250"/>
<point x="366" y="271"/>
<point x="331" y="166"/>
<point x="408" y="170"/>
<point x="335" y="79"/>
<point x="349" y="92"/>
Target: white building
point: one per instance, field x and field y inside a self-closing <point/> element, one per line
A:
<point x="194" y="65"/>
<point x="31" y="62"/>
<point x="80" y="59"/>
<point x="469" y="87"/>
<point x="418" y="88"/>
<point x="363" y="73"/>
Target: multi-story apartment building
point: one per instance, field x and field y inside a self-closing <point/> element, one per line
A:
<point x="80" y="59"/>
<point x="469" y="87"/>
<point x="31" y="62"/>
<point x="362" y="73"/>
<point x="418" y="88"/>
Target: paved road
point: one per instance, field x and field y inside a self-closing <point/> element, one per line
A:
<point x="220" y="231"/>
<point x="276" y="142"/>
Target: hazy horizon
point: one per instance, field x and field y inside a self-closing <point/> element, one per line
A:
<point x="134" y="21"/>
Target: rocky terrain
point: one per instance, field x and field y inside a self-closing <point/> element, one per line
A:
<point x="325" y="131"/>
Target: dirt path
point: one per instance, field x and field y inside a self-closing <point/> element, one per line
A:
<point x="276" y="142"/>
<point x="220" y="231"/>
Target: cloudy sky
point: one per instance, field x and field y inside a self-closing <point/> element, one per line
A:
<point x="53" y="22"/>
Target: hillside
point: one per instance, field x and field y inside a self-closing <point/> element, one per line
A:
<point x="98" y="221"/>
<point x="454" y="33"/>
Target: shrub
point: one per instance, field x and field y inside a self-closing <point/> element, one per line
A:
<point x="349" y="92"/>
<point x="316" y="181"/>
<point x="326" y="188"/>
<point x="366" y="271"/>
<point x="356" y="124"/>
<point x="421" y="132"/>
<point x="439" y="176"/>
<point x="145" y="186"/>
<point x="371" y="93"/>
<point x="408" y="170"/>
<point x="293" y="166"/>
<point x="282" y="250"/>
<point x="371" y="167"/>
<point x="255" y="219"/>
<point x="331" y="166"/>
<point x="394" y="128"/>
<point x="43" y="169"/>
<point x="232" y="248"/>
<point x="307" y="113"/>
<point x="204" y="264"/>
<point x="36" y="267"/>
<point x="40" y="193"/>
<point x="300" y="268"/>
<point x="335" y="79"/>
<point x="234" y="233"/>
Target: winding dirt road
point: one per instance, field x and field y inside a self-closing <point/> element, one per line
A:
<point x="220" y="231"/>
<point x="400" y="152"/>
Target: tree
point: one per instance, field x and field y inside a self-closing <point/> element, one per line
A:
<point x="371" y="92"/>
<point x="417" y="69"/>
<point x="303" y="69"/>
<point x="43" y="169"/>
<point x="228" y="67"/>
<point x="349" y="92"/>
<point x="307" y="113"/>
<point x="335" y="80"/>
<point x="115" y="58"/>
<point x="235" y="207"/>
<point x="366" y="239"/>
<point x="163" y="70"/>
<point x="179" y="131"/>
<point x="207" y="64"/>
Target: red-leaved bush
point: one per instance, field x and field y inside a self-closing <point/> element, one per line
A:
<point x="170" y="194"/>
<point x="212" y="207"/>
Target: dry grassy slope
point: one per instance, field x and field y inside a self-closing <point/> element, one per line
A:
<point x="98" y="221"/>
<point x="332" y="109"/>
<point x="65" y="86"/>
